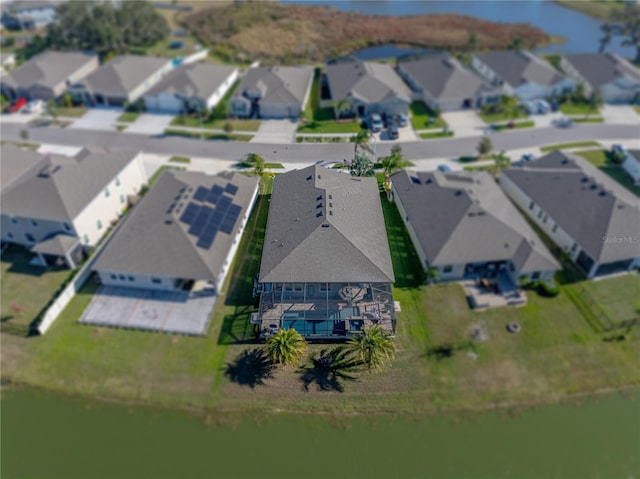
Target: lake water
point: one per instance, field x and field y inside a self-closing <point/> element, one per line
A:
<point x="45" y="435"/>
<point x="581" y="31"/>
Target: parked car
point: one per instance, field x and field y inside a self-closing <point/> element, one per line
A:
<point x="16" y="105"/>
<point x="444" y="168"/>
<point x="555" y="106"/>
<point x="530" y="107"/>
<point x="393" y="131"/>
<point x="375" y="123"/>
<point x="619" y="149"/>
<point x="564" y="122"/>
<point x="527" y="157"/>
<point x="34" y="106"/>
<point x="542" y="107"/>
<point x="403" y="120"/>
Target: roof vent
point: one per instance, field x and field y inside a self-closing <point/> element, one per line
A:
<point x="318" y="214"/>
<point x="472" y="214"/>
<point x="319" y="197"/>
<point x="585" y="179"/>
<point x="415" y="180"/>
<point x="319" y="177"/>
<point x="620" y="206"/>
<point x="593" y="186"/>
<point x="310" y="177"/>
<point x="319" y="205"/>
<point x="427" y="181"/>
<point x="168" y="221"/>
<point x="458" y="192"/>
<point x="481" y="213"/>
<point x="506" y="245"/>
<point x="297" y="219"/>
<point x="602" y="193"/>
<point x="330" y="197"/>
<point x="325" y="225"/>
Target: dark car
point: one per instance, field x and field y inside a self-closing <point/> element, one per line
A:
<point x="393" y="131"/>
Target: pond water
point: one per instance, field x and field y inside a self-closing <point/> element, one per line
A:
<point x="46" y="435"/>
<point x="581" y="31"/>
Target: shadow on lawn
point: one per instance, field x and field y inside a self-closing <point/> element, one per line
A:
<point x="250" y="368"/>
<point x="328" y="369"/>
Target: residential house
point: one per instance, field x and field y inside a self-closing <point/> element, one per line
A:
<point x="48" y="75"/>
<point x="614" y="77"/>
<point x="190" y="87"/>
<point x="363" y="88"/>
<point x="326" y="267"/>
<point x="522" y="74"/>
<point x="272" y="92"/>
<point x="28" y="15"/>
<point x="7" y="62"/>
<point x="631" y="165"/>
<point x="123" y="79"/>
<point x="587" y="214"/>
<point x="443" y="83"/>
<point x="59" y="206"/>
<point x="463" y="225"/>
<point x="182" y="235"/>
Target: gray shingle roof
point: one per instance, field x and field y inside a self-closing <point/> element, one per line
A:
<point x="325" y="226"/>
<point x="15" y="162"/>
<point x="519" y="67"/>
<point x="200" y="80"/>
<point x="123" y="74"/>
<point x="278" y="84"/>
<point x="444" y="77"/>
<point x="464" y="217"/>
<point x="59" y="187"/>
<point x="155" y="241"/>
<point x="585" y="203"/>
<point x="57" y="245"/>
<point x="370" y="82"/>
<point x="598" y="69"/>
<point x="50" y="69"/>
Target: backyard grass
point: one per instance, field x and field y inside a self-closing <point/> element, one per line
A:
<point x="565" y="146"/>
<point x="422" y="117"/>
<point x="436" y="134"/>
<point x="25" y="289"/>
<point x="570" y="108"/>
<point x="556" y="354"/>
<point x="602" y="160"/>
<point x="129" y="116"/>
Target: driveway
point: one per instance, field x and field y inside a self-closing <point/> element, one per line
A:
<point x="165" y="311"/>
<point x="620" y="115"/>
<point x="98" y="119"/>
<point x="150" y="124"/>
<point x="464" y="123"/>
<point x="276" y="131"/>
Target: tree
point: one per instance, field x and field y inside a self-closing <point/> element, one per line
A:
<point x="361" y="166"/>
<point x="472" y="42"/>
<point x="373" y="347"/>
<point x="624" y="23"/>
<point x="343" y="106"/>
<point x="257" y="162"/>
<point x="484" y="146"/>
<point x="516" y="43"/>
<point x="500" y="161"/>
<point x="578" y="93"/>
<point x="67" y="101"/>
<point x="106" y="27"/>
<point x="286" y="346"/>
<point x="595" y="103"/>
<point x="228" y="127"/>
<point x="361" y="140"/>
<point x="394" y="162"/>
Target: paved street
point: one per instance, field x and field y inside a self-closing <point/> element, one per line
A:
<point x="310" y="153"/>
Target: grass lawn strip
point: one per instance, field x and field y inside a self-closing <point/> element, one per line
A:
<point x="566" y="146"/>
<point x="437" y="134"/>
<point x="129" y="116"/>
<point x="422" y="117"/>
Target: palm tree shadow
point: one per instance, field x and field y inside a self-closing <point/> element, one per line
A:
<point x="251" y="368"/>
<point x="329" y="369"/>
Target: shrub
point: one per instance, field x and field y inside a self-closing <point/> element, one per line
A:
<point x="545" y="289"/>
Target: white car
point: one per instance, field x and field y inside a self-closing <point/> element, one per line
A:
<point x="34" y="106"/>
<point x="376" y="123"/>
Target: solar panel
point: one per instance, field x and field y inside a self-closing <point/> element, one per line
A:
<point x="190" y="213"/>
<point x="205" y="242"/>
<point x="227" y="226"/>
<point x="200" y="221"/>
<point x="234" y="210"/>
<point x="231" y="189"/>
<point x="215" y="194"/>
<point x="224" y="203"/>
<point x="231" y="219"/>
<point x="218" y="216"/>
<point x="201" y="193"/>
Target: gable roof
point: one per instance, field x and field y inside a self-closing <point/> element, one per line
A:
<point x="464" y="217"/>
<point x="445" y="77"/>
<point x="598" y="69"/>
<point x="123" y="74"/>
<point x="200" y="80"/>
<point x="156" y="240"/>
<point x="277" y="84"/>
<point x="584" y="202"/>
<point x="15" y="163"/>
<point x="50" y="69"/>
<point x="325" y="226"/>
<point x="367" y="81"/>
<point x="519" y="67"/>
<point x="59" y="187"/>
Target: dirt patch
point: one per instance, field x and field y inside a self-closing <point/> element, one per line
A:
<point x="289" y="33"/>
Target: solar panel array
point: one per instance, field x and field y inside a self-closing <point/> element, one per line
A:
<point x="206" y="221"/>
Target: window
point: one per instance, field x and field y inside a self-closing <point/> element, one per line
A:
<point x="535" y="276"/>
<point x="131" y="278"/>
<point x="67" y="226"/>
<point x="122" y="199"/>
<point x="297" y="286"/>
<point x="29" y="237"/>
<point x="85" y="238"/>
<point x="14" y="221"/>
<point x="574" y="247"/>
<point x="117" y="181"/>
<point x="106" y="192"/>
<point x="540" y="213"/>
<point x="447" y="269"/>
<point x="156" y="280"/>
<point x="544" y="220"/>
<point x="531" y="205"/>
<point x="113" y="276"/>
<point x="122" y="278"/>
<point x="325" y="287"/>
<point x="555" y="227"/>
<point x="10" y="235"/>
<point x="34" y="223"/>
<point x="99" y="224"/>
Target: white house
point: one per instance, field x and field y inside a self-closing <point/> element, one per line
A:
<point x="631" y="165"/>
<point x="615" y="78"/>
<point x="522" y="74"/>
<point x="190" y="87"/>
<point x="183" y="234"/>
<point x="586" y="214"/>
<point x="60" y="206"/>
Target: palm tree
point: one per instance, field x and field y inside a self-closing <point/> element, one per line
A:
<point x="286" y="346"/>
<point x="484" y="146"/>
<point x="361" y="140"/>
<point x="373" y="347"/>
<point x="500" y="161"/>
<point x="391" y="164"/>
<point x="258" y="163"/>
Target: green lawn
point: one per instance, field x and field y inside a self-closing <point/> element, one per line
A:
<point x="637" y="109"/>
<point x="600" y="158"/>
<point x="207" y="136"/>
<point x="571" y="108"/>
<point x="25" y="289"/>
<point x="75" y="112"/>
<point x="324" y="139"/>
<point x="180" y="159"/>
<point x="589" y="119"/>
<point x="502" y="117"/>
<point x="129" y="116"/>
<point x="422" y="117"/>
<point x="565" y="146"/>
<point x="436" y="134"/>
<point x="516" y="125"/>
<point x="217" y="123"/>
